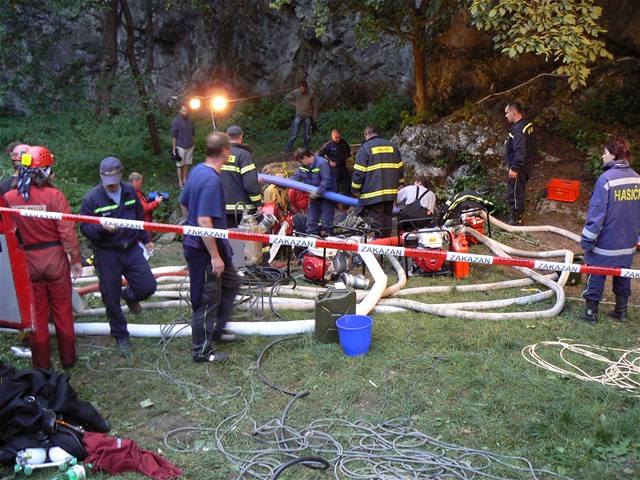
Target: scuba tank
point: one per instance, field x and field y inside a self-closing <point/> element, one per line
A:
<point x="253" y="250"/>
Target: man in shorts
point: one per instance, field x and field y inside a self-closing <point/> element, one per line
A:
<point x="182" y="134"/>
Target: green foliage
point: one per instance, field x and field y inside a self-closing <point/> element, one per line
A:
<point x="409" y="119"/>
<point x="475" y="177"/>
<point x="79" y="142"/>
<point x="613" y="106"/>
<point x="564" y="32"/>
<point x="266" y="123"/>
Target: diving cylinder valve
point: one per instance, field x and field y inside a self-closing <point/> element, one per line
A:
<point x="253" y="250"/>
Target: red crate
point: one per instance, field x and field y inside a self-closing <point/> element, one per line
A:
<point x="563" y="190"/>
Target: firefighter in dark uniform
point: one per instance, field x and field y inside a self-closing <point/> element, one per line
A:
<point x="118" y="251"/>
<point x="612" y="227"/>
<point x="520" y="154"/>
<point x="319" y="172"/>
<point x="240" y="179"/>
<point x="377" y="174"/>
<point x="338" y="151"/>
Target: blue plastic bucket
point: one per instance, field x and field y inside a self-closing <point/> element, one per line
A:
<point x="354" y="332"/>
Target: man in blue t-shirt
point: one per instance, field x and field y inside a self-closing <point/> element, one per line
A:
<point x="214" y="281"/>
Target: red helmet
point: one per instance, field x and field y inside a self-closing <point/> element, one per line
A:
<point x="18" y="150"/>
<point x="37" y="157"/>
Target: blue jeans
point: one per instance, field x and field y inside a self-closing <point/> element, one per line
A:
<point x="295" y="128"/>
<point x="320" y="209"/>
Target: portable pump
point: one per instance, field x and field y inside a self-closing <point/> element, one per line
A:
<point x="439" y="238"/>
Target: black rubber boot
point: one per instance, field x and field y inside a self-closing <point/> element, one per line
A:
<point x="591" y="312"/>
<point x="515" y="218"/>
<point x="620" y="310"/>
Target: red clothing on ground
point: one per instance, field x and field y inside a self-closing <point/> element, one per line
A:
<point x="149" y="207"/>
<point x="299" y="201"/>
<point x="116" y="455"/>
<point x="49" y="271"/>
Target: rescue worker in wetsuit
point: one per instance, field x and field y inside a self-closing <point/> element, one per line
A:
<point x="51" y="246"/>
<point x="118" y="251"/>
<point x="612" y="227"/>
<point x="240" y="179"/>
<point x="520" y="154"/>
<point x="319" y="172"/>
<point x="377" y="174"/>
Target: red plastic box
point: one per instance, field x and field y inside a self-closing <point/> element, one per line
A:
<point x="563" y="190"/>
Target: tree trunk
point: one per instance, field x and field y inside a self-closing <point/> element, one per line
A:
<point x="139" y="79"/>
<point x="418" y="47"/>
<point x="149" y="6"/>
<point x="109" y="63"/>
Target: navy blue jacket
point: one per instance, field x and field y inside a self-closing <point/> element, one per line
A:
<point x="611" y="231"/>
<point x="521" y="148"/>
<point x="320" y="174"/>
<point x="240" y="180"/>
<point x="337" y="152"/>
<point x="98" y="204"/>
<point x="378" y="171"/>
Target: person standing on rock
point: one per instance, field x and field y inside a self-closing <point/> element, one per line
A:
<point x="520" y="154"/>
<point x="304" y="102"/>
<point x="377" y="174"/>
<point x="612" y="227"/>
<point x="182" y="135"/>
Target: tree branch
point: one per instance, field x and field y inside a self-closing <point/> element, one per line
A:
<point x="519" y="86"/>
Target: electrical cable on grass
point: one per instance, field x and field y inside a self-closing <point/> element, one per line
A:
<point x="263" y="377"/>
<point x="323" y="465"/>
<point x="613" y="367"/>
<point x="355" y="449"/>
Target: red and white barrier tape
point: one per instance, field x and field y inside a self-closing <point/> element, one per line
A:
<point x="308" y="242"/>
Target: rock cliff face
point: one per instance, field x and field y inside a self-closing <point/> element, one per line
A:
<point x="251" y="49"/>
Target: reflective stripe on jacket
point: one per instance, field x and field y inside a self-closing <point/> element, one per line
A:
<point x="98" y="204"/>
<point x="378" y="171"/>
<point x="320" y="174"/>
<point x="239" y="177"/>
<point x="612" y="228"/>
<point x="521" y="147"/>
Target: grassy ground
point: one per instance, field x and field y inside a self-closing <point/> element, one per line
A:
<point x="464" y="382"/>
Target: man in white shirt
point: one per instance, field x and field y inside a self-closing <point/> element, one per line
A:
<point x="417" y="198"/>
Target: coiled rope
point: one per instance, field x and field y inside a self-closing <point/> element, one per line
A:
<point x="613" y="367"/>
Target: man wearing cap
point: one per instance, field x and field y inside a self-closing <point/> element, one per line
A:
<point x="118" y="251"/>
<point x="240" y="179"/>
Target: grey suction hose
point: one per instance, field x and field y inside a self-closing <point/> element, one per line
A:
<point x="497" y="248"/>
<point x="535" y="228"/>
